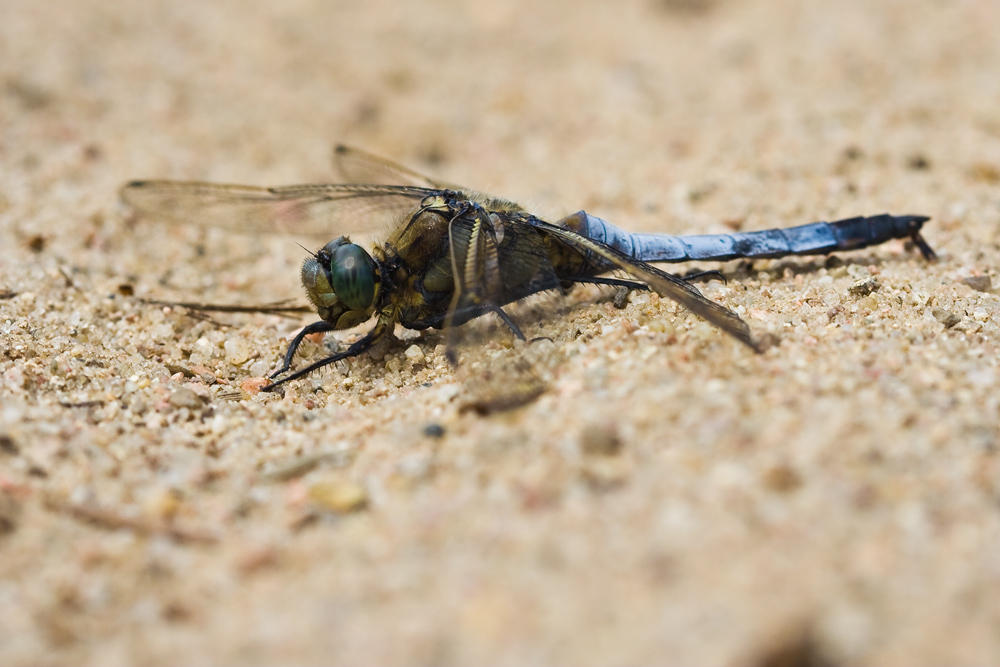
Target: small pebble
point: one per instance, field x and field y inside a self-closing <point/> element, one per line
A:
<point x="237" y="351"/>
<point x="434" y="430"/>
<point x="162" y="504"/>
<point x="864" y="287"/>
<point x="986" y="172"/>
<point x="605" y="472"/>
<point x="294" y="468"/>
<point x="979" y="283"/>
<point x="252" y="386"/>
<point x="10" y="513"/>
<point x="601" y="440"/>
<point x="185" y="398"/>
<point x="781" y="479"/>
<point x="946" y="317"/>
<point x="621" y="297"/>
<point x="339" y="495"/>
<point x="183" y="370"/>
<point x="918" y="162"/>
<point x="7" y="445"/>
<point x="414" y="354"/>
<point x="256" y="558"/>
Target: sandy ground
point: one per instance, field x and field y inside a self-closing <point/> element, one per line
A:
<point x="672" y="498"/>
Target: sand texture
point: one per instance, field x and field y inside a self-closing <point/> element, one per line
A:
<point x="670" y="497"/>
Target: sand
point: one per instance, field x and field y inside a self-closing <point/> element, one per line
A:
<point x="671" y="498"/>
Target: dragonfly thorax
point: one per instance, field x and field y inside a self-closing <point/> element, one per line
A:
<point x="342" y="282"/>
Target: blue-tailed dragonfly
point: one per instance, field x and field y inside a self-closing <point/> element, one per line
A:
<point x="454" y="254"/>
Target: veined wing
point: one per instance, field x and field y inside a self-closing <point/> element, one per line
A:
<point x="358" y="166"/>
<point x="496" y="259"/>
<point x="662" y="282"/>
<point x="312" y="210"/>
<point x="525" y="267"/>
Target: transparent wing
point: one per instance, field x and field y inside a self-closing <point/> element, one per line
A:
<point x="357" y="166"/>
<point x="495" y="260"/>
<point x="312" y="210"/>
<point x="525" y="268"/>
<point x="285" y="307"/>
<point x="662" y="282"/>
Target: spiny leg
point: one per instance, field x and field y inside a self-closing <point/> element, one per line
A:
<point x="513" y="327"/>
<point x="692" y="276"/>
<point x="614" y="282"/>
<point x="631" y="284"/>
<point x="624" y="287"/>
<point x="506" y="320"/>
<point x="355" y="349"/>
<point x="316" y="327"/>
<point x="450" y="354"/>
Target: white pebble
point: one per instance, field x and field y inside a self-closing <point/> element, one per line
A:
<point x="237" y="351"/>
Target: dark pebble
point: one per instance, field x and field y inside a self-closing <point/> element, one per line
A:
<point x="434" y="431"/>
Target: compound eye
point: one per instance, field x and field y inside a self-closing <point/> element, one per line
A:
<point x="352" y="273"/>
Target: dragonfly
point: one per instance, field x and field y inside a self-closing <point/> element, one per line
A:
<point x="452" y="254"/>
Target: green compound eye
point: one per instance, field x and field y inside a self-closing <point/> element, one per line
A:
<point x="353" y="276"/>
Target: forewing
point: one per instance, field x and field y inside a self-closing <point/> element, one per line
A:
<point x="283" y="308"/>
<point x="312" y="210"/>
<point x="357" y="166"/>
<point x="662" y="282"/>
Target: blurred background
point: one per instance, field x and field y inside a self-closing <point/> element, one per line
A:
<point x="563" y="104"/>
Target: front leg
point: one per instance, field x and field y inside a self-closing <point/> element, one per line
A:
<point x="354" y="350"/>
<point x="316" y="327"/>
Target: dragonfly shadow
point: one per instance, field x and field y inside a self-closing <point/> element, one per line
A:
<point x="500" y="380"/>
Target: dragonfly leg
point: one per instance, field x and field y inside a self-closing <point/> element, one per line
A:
<point x="631" y="284"/>
<point x="316" y="327"/>
<point x="925" y="249"/>
<point x="357" y="348"/>
<point x="506" y="320"/>
<point x="692" y="276"/>
<point x="615" y="282"/>
<point x="625" y="286"/>
<point x="450" y="352"/>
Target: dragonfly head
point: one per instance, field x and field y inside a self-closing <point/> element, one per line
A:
<point x="342" y="282"/>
